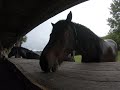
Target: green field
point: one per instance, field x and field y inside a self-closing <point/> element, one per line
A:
<point x="78" y="58"/>
<point x="118" y="57"/>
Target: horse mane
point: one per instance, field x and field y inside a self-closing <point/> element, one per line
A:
<point x="79" y="28"/>
<point x="85" y="35"/>
<point x="85" y="31"/>
<point x="88" y="40"/>
<point x="25" y="49"/>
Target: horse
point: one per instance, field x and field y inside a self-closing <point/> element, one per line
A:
<point x="67" y="36"/>
<point x="70" y="58"/>
<point x="23" y="52"/>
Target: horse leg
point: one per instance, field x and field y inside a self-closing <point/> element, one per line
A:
<point x="84" y="59"/>
<point x="17" y="55"/>
<point x="72" y="57"/>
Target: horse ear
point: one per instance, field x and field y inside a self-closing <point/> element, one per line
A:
<point x="69" y="16"/>
<point x="53" y="24"/>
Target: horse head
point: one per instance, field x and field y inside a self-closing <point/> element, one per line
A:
<point x="59" y="46"/>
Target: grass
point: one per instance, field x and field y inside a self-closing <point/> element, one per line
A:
<point x="78" y="58"/>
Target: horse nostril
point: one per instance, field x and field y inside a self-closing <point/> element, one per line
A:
<point x="54" y="68"/>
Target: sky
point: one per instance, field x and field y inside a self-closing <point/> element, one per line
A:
<point x="92" y="14"/>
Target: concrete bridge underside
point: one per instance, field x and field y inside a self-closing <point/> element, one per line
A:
<point x="18" y="17"/>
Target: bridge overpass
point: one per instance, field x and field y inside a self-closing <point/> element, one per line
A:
<point x="17" y="18"/>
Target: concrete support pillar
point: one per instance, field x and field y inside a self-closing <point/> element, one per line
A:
<point x="3" y="52"/>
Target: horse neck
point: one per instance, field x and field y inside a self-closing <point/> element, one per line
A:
<point x="76" y="38"/>
<point x="83" y="41"/>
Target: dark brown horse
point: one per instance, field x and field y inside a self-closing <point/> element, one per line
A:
<point x="67" y="36"/>
<point x="23" y="52"/>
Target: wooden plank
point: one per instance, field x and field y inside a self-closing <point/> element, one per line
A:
<point x="71" y="75"/>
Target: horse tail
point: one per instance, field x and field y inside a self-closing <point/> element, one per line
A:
<point x="110" y="51"/>
<point x="112" y="54"/>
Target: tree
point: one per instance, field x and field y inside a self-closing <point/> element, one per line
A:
<point x="115" y="37"/>
<point x="114" y="22"/>
<point x="21" y="41"/>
